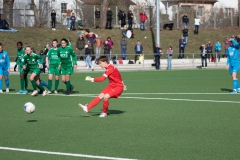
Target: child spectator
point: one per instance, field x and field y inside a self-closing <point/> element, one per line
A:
<point x="169" y="57"/>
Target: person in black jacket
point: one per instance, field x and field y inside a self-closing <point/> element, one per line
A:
<point x="109" y="19"/>
<point x="123" y="20"/>
<point x="130" y="20"/>
<point x="97" y="18"/>
<point x="209" y="49"/>
<point x="181" y="47"/>
<point x="157" y="55"/>
<point x="119" y="17"/>
<point x="106" y="48"/>
<point x="53" y="17"/>
<point x="185" y="20"/>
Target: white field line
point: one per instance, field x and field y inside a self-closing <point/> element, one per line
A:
<point x="62" y="154"/>
<point x="168" y="99"/>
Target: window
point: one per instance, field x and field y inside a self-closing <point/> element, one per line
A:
<point x="227" y="12"/>
<point x="63" y="7"/>
<point x="200" y="11"/>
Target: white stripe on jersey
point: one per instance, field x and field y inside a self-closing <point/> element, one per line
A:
<point x="105" y="75"/>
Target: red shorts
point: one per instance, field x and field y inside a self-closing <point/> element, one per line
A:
<point x="113" y="92"/>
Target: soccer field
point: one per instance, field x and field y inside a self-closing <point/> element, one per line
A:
<point x="176" y="114"/>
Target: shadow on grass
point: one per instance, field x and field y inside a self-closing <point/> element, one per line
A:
<point x="111" y="112"/>
<point x="32" y="120"/>
<point x="226" y="89"/>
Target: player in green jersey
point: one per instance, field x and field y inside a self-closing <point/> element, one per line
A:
<point x="30" y="61"/>
<point x="67" y="62"/>
<point x="52" y="63"/>
<point x="23" y="73"/>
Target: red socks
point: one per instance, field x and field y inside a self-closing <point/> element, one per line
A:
<point x="93" y="103"/>
<point x="105" y="106"/>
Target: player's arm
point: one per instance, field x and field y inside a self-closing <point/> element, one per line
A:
<point x="8" y="62"/>
<point x="235" y="43"/>
<point x="41" y="60"/>
<point x="24" y="61"/>
<point x="101" y="78"/>
<point x="227" y="62"/>
<point x="74" y="59"/>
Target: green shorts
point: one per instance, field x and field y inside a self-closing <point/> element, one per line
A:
<point x="22" y="71"/>
<point x="53" y="70"/>
<point x="36" y="71"/>
<point x="65" y="71"/>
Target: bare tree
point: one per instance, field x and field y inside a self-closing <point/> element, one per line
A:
<point x="239" y="13"/>
<point x="105" y="4"/>
<point x="8" y="11"/>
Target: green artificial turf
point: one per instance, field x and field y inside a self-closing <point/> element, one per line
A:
<point x="176" y="114"/>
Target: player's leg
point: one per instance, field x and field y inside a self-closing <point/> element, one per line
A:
<point x="1" y="76"/>
<point x="39" y="85"/>
<point x="22" y="87"/>
<point x="233" y="71"/>
<point x="56" y="79"/>
<point x="105" y="105"/>
<point x="25" y="82"/>
<point x="68" y="84"/>
<point x="7" y="83"/>
<point x="34" y="85"/>
<point x="50" y="76"/>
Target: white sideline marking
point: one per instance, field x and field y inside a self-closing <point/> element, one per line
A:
<point x="168" y="99"/>
<point x="63" y="154"/>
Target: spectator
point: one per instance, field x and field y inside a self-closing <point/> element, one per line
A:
<point x="203" y="55"/>
<point x="80" y="44"/>
<point x="123" y="44"/>
<point x="91" y="37"/>
<point x="185" y="20"/>
<point x="124" y="31"/>
<point x="73" y="19"/>
<point x="88" y="54"/>
<point x="119" y="17"/>
<point x="97" y="18"/>
<point x="4" y="24"/>
<point x="209" y="49"/>
<point x="185" y="34"/>
<point x="106" y="48"/>
<point x="169" y="57"/>
<point x="110" y="43"/>
<point x="197" y="24"/>
<point x="181" y="47"/>
<point x="158" y="53"/>
<point x="109" y="19"/>
<point x="123" y="19"/>
<point x="46" y="48"/>
<point x="130" y="19"/>
<point x="43" y="62"/>
<point x="98" y="42"/>
<point x="68" y="18"/>
<point x="138" y="50"/>
<point x="53" y="17"/>
<point x="218" y="50"/>
<point x="226" y="46"/>
<point x="143" y="18"/>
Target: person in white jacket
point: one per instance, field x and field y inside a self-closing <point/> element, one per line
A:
<point x="197" y="24"/>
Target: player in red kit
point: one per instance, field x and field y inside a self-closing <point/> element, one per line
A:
<point x="113" y="90"/>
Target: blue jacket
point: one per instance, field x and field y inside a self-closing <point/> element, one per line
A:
<point x="182" y="43"/>
<point x="4" y="60"/>
<point x="218" y="47"/>
<point x="232" y="58"/>
<point x="141" y="48"/>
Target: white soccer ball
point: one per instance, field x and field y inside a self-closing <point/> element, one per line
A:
<point x="145" y="37"/>
<point x="29" y="107"/>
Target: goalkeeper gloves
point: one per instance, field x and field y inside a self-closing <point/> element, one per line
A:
<point x="88" y="78"/>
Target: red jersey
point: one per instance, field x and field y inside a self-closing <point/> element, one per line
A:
<point x="114" y="76"/>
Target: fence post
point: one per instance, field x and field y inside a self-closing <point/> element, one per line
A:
<point x="94" y="8"/>
<point x="177" y="17"/>
<point x="193" y="60"/>
<point x="216" y="59"/>
<point x="214" y="15"/>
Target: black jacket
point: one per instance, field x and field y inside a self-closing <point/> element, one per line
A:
<point x="185" y="19"/>
<point x="80" y="44"/>
<point x="106" y="48"/>
<point x="53" y="15"/>
<point x="130" y="16"/>
<point x="97" y="14"/>
<point x="203" y="54"/>
<point x="109" y="15"/>
<point x="185" y="32"/>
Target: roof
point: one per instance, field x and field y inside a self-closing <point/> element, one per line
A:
<point x="127" y="2"/>
<point x="191" y="1"/>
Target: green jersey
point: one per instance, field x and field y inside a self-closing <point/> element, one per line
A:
<point x="20" y="54"/>
<point x="67" y="57"/>
<point x="53" y="57"/>
<point x="31" y="61"/>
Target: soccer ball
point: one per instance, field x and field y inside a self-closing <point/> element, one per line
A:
<point x="29" y="107"/>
